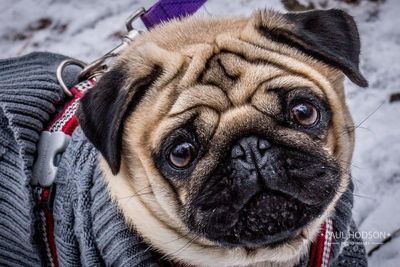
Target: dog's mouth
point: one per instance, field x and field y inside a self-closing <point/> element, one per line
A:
<point x="268" y="218"/>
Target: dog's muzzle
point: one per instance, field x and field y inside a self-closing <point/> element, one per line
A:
<point x="263" y="194"/>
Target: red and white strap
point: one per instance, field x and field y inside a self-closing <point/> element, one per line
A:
<point x="65" y="122"/>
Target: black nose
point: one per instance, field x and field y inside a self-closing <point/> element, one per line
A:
<point x="251" y="150"/>
<point x="249" y="157"/>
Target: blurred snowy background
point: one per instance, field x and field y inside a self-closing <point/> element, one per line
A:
<point x="86" y="29"/>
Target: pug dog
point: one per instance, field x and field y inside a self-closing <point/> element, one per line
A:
<point x="230" y="136"/>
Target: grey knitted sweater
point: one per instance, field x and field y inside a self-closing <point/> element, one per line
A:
<point x="89" y="229"/>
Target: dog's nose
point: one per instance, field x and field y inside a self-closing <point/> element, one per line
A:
<point x="248" y="157"/>
<point x="250" y="149"/>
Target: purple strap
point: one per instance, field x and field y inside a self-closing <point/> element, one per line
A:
<point x="165" y="10"/>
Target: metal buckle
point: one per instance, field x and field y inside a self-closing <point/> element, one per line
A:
<point x="100" y="66"/>
<point x="60" y="70"/>
<point x="50" y="148"/>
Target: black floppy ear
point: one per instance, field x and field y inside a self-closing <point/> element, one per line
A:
<point x="104" y="108"/>
<point x="328" y="35"/>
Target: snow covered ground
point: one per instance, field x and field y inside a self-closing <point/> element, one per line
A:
<point x="86" y="29"/>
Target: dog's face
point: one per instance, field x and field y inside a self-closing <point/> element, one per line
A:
<point x="227" y="141"/>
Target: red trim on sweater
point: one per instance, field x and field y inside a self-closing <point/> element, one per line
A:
<point x="50" y="235"/>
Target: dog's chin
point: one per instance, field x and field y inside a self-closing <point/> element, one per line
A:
<point x="268" y="219"/>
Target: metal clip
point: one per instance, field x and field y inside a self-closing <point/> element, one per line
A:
<point x="100" y="66"/>
<point x="50" y="148"/>
<point x="60" y="70"/>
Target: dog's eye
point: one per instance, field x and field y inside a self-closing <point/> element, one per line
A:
<point x="304" y="114"/>
<point x="182" y="155"/>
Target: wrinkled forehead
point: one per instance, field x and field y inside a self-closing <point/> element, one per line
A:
<point x="226" y="79"/>
<point x="239" y="69"/>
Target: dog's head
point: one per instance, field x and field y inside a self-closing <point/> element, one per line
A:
<point x="227" y="140"/>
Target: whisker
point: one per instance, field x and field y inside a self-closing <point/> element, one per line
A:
<point x="358" y="126"/>
<point x="370" y="115"/>
<point x="138" y="193"/>
<point x="165" y="257"/>
<point x="364" y="196"/>
<point x="135" y="195"/>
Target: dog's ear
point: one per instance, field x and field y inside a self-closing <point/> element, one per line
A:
<point x="328" y="35"/>
<point x="104" y="108"/>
